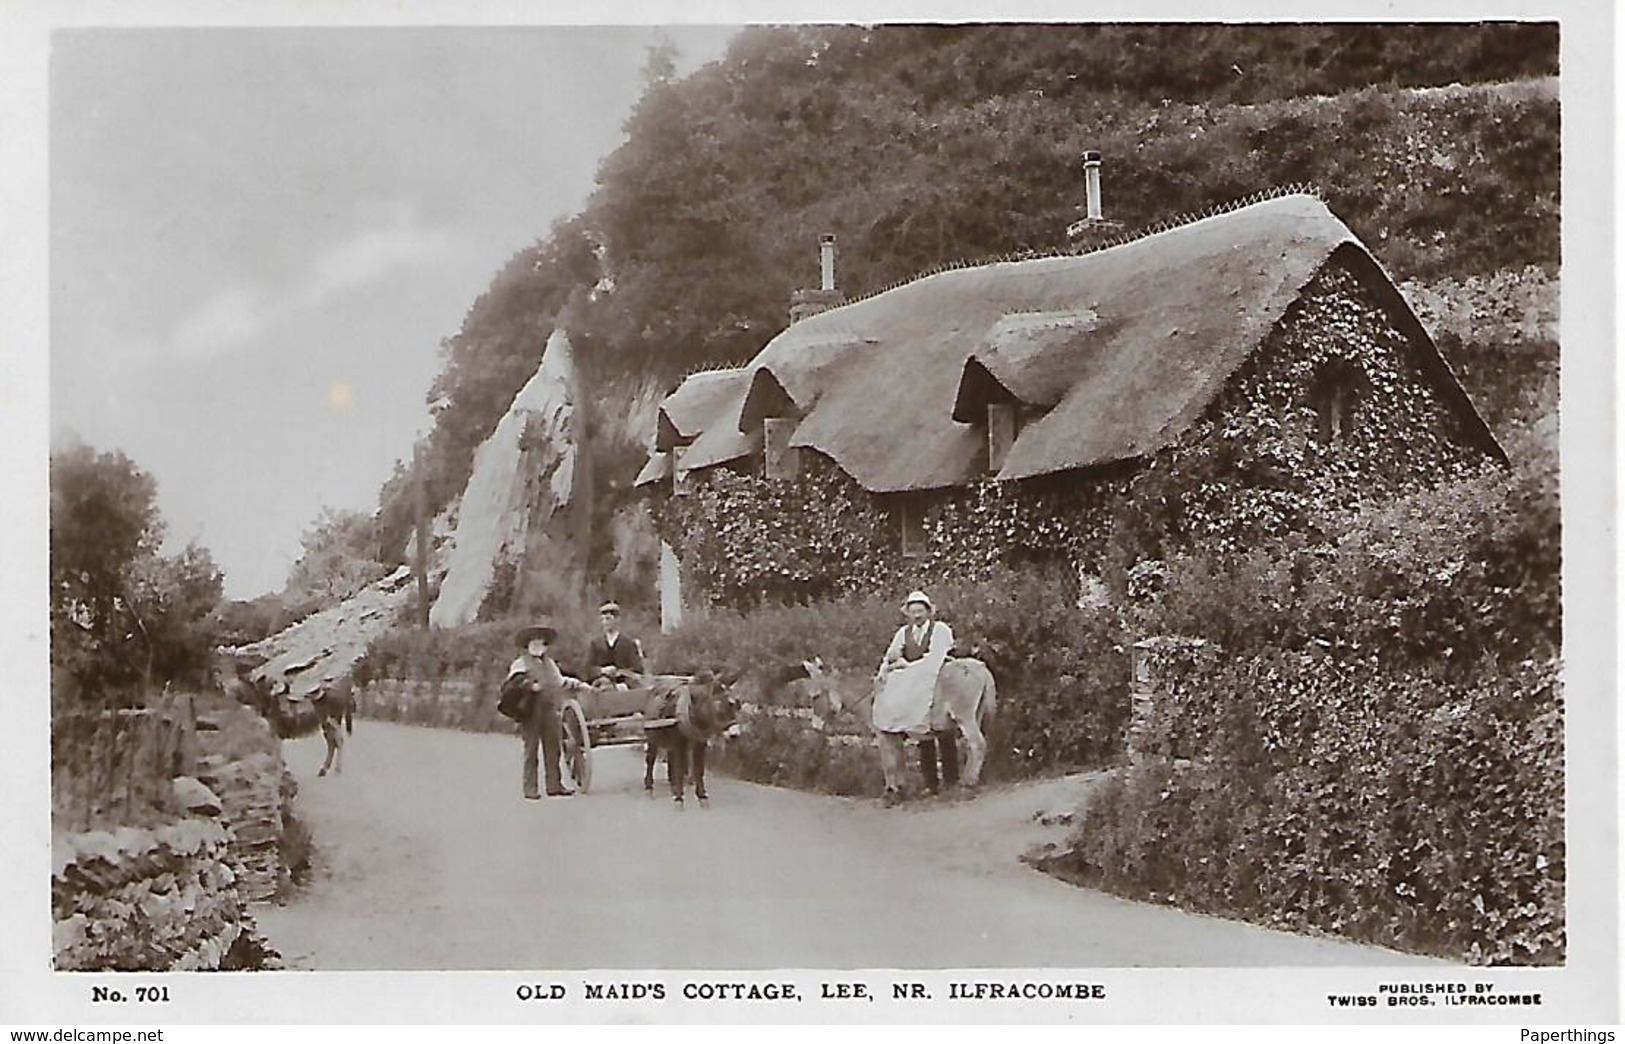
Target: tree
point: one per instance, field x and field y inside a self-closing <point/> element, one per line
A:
<point x="339" y="558"/>
<point x="122" y="615"/>
<point x="243" y="622"/>
<point x="169" y="600"/>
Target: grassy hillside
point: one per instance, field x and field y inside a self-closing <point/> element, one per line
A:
<point x="922" y="145"/>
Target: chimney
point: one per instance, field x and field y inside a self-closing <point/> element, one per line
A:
<point x="1092" y="229"/>
<point x="1091" y="184"/>
<point x="810" y="302"/>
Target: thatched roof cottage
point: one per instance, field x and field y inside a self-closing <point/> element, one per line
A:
<point x="1063" y="366"/>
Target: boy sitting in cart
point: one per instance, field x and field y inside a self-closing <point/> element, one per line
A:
<point x="615" y="665"/>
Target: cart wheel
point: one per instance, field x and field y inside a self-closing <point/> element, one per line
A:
<point x="577" y="746"/>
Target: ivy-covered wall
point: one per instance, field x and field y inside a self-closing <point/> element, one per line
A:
<point x="1259" y="464"/>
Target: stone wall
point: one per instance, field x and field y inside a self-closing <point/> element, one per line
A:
<point x="250" y="792"/>
<point x="172" y="892"/>
<point x="149" y="899"/>
<point x="455" y="703"/>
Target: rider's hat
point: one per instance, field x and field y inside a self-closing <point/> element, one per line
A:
<point x="919" y="596"/>
<point x="543" y="630"/>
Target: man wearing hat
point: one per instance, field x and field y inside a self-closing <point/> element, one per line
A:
<point x="614" y="657"/>
<point x="536" y="671"/>
<point x="905" y="689"/>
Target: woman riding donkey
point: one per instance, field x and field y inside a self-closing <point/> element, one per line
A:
<point x="905" y="689"/>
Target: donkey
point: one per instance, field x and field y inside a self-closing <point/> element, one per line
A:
<point x="965" y="696"/>
<point x="334" y="702"/>
<point x="687" y="713"/>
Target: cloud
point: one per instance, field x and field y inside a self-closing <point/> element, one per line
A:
<point x="237" y="317"/>
<point x="227" y="322"/>
<point x="372" y="256"/>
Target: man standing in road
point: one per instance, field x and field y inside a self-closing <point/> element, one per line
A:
<point x="536" y="672"/>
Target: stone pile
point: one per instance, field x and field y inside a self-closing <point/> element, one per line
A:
<point x="330" y="642"/>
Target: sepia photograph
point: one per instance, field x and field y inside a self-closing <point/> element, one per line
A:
<point x="967" y="516"/>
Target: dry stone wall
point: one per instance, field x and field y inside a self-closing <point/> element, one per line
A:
<point x="457" y="703"/>
<point x="250" y="792"/>
<point x="134" y="899"/>
<point x="174" y="894"/>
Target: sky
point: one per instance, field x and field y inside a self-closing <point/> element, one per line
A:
<point x="260" y="236"/>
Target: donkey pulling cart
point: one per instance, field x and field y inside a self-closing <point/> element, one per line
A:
<point x="635" y="710"/>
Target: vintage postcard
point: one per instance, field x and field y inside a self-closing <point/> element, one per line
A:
<point x="893" y="514"/>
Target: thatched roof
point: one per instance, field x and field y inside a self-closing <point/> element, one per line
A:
<point x="657" y="467"/>
<point x="716" y="397"/>
<point x="692" y="408"/>
<point x="792" y="371"/>
<point x="1122" y="347"/>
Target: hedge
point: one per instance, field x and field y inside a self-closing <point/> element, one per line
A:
<point x="1371" y="741"/>
<point x="1061" y="670"/>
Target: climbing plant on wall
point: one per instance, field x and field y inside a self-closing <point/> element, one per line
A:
<point x="1330" y="414"/>
<point x="745" y="539"/>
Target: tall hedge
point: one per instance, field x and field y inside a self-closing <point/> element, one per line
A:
<point x="1371" y="744"/>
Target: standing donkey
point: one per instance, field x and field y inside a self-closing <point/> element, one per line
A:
<point x="334" y="701"/>
<point x="965" y="696"/>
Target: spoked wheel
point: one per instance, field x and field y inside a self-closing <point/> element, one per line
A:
<point x="577" y="747"/>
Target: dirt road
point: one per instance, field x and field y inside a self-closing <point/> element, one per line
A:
<point x="428" y="858"/>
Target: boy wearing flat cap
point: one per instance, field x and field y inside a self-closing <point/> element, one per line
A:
<point x="614" y="658"/>
<point x="536" y="671"/>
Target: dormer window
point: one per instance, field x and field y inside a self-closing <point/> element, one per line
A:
<point x="780" y="460"/>
<point x="1001" y="434"/>
<point x="1335" y="392"/>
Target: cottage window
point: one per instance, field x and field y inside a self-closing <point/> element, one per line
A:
<point x="680" y="482"/>
<point x="780" y="460"/>
<point x="1335" y="393"/>
<point x="1001" y="433"/>
<point x="911" y="521"/>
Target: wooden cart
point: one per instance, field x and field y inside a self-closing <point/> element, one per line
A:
<point x="611" y="716"/>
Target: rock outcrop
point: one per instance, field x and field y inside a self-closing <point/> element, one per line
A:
<point x="524" y="475"/>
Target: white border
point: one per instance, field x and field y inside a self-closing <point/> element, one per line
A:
<point x="1587" y="990"/>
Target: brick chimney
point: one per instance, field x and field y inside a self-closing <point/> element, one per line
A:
<point x="804" y="303"/>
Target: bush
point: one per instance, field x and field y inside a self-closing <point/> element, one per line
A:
<point x="1327" y="795"/>
<point x="1373" y="733"/>
<point x="784" y="752"/>
<point x="477" y="652"/>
